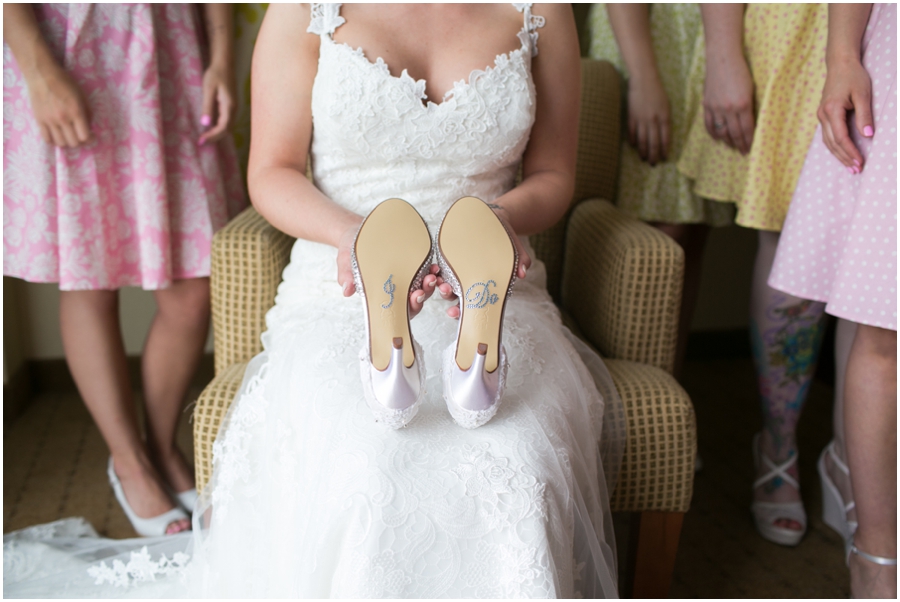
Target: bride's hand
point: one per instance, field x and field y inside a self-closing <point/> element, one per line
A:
<point x="524" y="263"/>
<point x="345" y="274"/>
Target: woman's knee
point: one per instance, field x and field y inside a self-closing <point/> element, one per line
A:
<point x="877" y="342"/>
<point x="187" y="301"/>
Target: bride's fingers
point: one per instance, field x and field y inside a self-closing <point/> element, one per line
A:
<point x="416" y="302"/>
<point x="524" y="259"/>
<point x="446" y="291"/>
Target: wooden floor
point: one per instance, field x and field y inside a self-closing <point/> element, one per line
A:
<point x="54" y="466"/>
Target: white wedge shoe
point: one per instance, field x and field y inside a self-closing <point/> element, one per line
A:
<point x="479" y="260"/>
<point x="766" y="513"/>
<point x="154" y="526"/>
<point x="390" y="258"/>
<point x="834" y="510"/>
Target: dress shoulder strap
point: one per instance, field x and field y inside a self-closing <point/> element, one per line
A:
<point x="529" y="33"/>
<point x="324" y="18"/>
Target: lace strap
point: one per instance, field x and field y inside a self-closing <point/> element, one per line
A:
<point x="529" y="34"/>
<point x="324" y="18"/>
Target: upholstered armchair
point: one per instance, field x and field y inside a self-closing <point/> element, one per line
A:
<point x="617" y="282"/>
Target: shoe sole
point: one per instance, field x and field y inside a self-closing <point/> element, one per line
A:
<point x="391" y="247"/>
<point x="481" y="254"/>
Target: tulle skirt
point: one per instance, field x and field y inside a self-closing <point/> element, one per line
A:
<point x="310" y="497"/>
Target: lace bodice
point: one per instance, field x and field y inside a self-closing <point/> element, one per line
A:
<point x="376" y="136"/>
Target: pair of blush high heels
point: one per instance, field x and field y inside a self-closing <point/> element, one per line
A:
<point x="390" y="258"/>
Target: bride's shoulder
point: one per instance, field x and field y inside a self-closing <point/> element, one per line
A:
<point x="286" y="26"/>
<point x="553" y="14"/>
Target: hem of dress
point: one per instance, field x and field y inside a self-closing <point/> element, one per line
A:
<point x="679" y="222"/>
<point x="147" y="287"/>
<point x="836" y="313"/>
<point x="829" y="309"/>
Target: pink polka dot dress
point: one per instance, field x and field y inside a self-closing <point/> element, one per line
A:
<point x="139" y="205"/>
<point x="839" y="243"/>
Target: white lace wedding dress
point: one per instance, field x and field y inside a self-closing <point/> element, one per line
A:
<point x="310" y="497"/>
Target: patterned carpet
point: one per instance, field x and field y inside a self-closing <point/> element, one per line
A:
<point x="54" y="466"/>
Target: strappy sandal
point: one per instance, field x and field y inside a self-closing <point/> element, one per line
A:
<point x="766" y="513"/>
<point x="870" y="557"/>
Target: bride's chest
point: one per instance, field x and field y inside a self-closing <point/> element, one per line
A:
<point x="359" y="107"/>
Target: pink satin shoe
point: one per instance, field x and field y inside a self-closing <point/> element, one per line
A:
<point x="390" y="259"/>
<point x="478" y="258"/>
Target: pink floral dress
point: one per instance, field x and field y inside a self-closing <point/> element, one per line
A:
<point x="139" y="205"/>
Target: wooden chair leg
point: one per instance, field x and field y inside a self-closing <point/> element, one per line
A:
<point x="653" y="544"/>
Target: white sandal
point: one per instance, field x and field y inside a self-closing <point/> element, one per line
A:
<point x="188" y="499"/>
<point x="154" y="526"/>
<point x="834" y="511"/>
<point x="766" y="513"/>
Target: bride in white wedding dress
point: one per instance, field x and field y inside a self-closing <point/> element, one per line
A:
<point x="310" y="497"/>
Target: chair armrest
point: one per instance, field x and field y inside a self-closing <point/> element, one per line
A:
<point x="248" y="257"/>
<point x="211" y="407"/>
<point x="657" y="471"/>
<point x="622" y="283"/>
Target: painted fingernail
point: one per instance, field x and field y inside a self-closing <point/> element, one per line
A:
<point x="420" y="299"/>
<point x="524" y="271"/>
<point x="431" y="284"/>
<point x="857" y="163"/>
<point x="868" y="131"/>
<point x="850" y="169"/>
<point x="205" y="120"/>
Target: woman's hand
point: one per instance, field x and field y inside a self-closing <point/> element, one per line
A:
<point x="219" y="102"/>
<point x="848" y="87"/>
<point x="648" y="118"/>
<point x="728" y="101"/>
<point x="446" y="290"/>
<point x="59" y="107"/>
<point x="417" y="298"/>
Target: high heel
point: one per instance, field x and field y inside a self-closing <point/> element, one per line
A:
<point x="390" y="258"/>
<point x="145" y="527"/>
<point x="834" y="511"/>
<point x="478" y="259"/>
<point x="766" y="513"/>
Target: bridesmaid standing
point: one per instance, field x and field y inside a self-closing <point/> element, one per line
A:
<point x="745" y="147"/>
<point x="116" y="174"/>
<point x="839" y="247"/>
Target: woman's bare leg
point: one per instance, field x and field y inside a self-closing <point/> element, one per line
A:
<point x="171" y="355"/>
<point x="870" y="426"/>
<point x="692" y="239"/>
<point x="786" y="334"/>
<point x="92" y="340"/>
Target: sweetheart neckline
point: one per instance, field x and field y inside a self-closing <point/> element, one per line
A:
<point x="426" y="103"/>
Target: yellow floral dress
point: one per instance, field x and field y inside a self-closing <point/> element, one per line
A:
<point x="661" y="193"/>
<point x="785" y="48"/>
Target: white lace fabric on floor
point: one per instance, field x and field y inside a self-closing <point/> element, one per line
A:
<point x="310" y="497"/>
